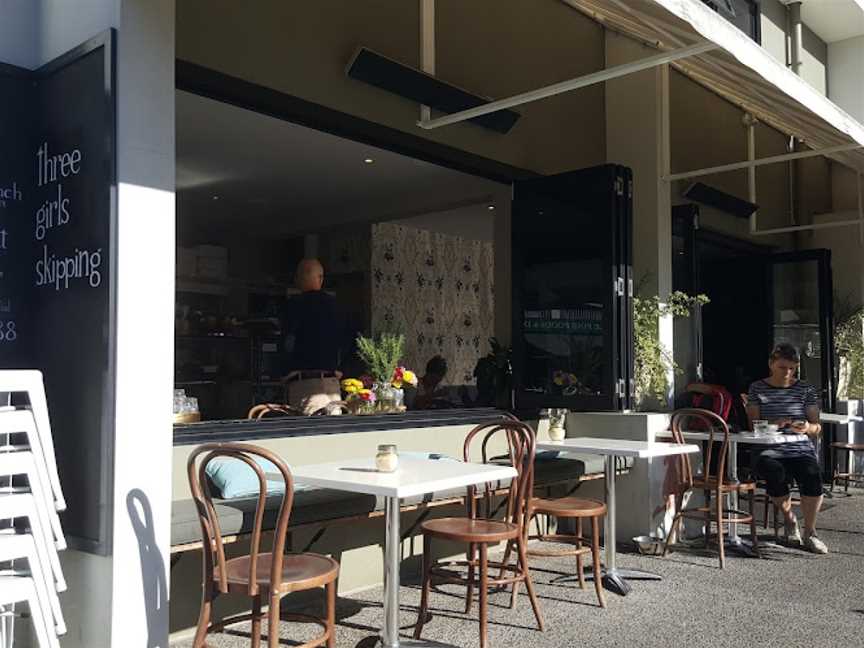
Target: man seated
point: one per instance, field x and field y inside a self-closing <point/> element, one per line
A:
<point x="794" y="405"/>
<point x="430" y="394"/>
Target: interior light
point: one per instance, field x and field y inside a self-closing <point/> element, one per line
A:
<point x="491" y="208"/>
<point x="215" y="197"/>
<point x="368" y="160"/>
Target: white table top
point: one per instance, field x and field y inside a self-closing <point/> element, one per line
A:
<point x="744" y="437"/>
<point x="842" y="419"/>
<point x="412" y="477"/>
<point x="618" y="447"/>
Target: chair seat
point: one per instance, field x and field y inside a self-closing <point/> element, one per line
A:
<point x="300" y="571"/>
<point x="470" y="530"/>
<point x="854" y="447"/>
<point x="568" y="507"/>
<point x="702" y="483"/>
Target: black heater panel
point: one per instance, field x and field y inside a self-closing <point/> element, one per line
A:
<point x="390" y="75"/>
<point x="707" y="195"/>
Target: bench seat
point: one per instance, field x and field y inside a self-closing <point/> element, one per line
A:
<point x="322" y="505"/>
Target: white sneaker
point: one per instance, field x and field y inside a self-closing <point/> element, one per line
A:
<point x="814" y="544"/>
<point x="792" y="531"/>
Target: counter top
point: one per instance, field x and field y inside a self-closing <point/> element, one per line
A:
<point x="291" y="426"/>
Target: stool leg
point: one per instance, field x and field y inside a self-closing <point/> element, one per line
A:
<point x="256" y="621"/>
<point x="484" y="592"/>
<point x="427" y="578"/>
<point x="719" y="507"/>
<point x="331" y="614"/>
<point x="580" y="571"/>
<point x="595" y="557"/>
<point x="469" y="592"/>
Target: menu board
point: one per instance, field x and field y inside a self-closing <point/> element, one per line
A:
<point x="16" y="124"/>
<point x="62" y="177"/>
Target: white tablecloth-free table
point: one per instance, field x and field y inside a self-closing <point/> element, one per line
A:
<point x="413" y="477"/>
<point x="615" y="579"/>
<point x="732" y="460"/>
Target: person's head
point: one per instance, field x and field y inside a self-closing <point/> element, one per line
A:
<point x="309" y="275"/>
<point x="436" y="369"/>
<point x="784" y="362"/>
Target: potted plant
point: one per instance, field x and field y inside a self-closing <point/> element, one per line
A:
<point x="381" y="356"/>
<point x="652" y="361"/>
<point x="849" y="350"/>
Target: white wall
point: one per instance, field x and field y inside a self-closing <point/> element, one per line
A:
<point x="18" y="33"/>
<point x="845" y="81"/>
<point x="145" y="325"/>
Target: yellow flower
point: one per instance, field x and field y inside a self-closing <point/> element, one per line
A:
<point x="351" y="385"/>
<point x="409" y="377"/>
<point x="397" y="384"/>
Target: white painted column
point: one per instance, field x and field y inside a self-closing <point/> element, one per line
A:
<point x="145" y="324"/>
<point x="638" y="136"/>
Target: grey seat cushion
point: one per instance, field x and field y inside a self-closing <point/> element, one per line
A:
<point x="237" y="516"/>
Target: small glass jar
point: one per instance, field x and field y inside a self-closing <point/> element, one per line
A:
<point x="557" y="421"/>
<point x="386" y="460"/>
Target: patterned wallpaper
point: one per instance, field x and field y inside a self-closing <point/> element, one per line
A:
<point x="437" y="290"/>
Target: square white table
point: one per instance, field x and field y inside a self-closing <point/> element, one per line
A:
<point x="732" y="461"/>
<point x="413" y="477"/>
<point x="615" y="579"/>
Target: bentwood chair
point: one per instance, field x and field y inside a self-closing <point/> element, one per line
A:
<point x="573" y="508"/>
<point x="849" y="475"/>
<point x="261" y="574"/>
<point x="712" y="481"/>
<point x="479" y="529"/>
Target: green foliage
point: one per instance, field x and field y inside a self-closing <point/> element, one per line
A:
<point x="849" y="348"/>
<point x="381" y="355"/>
<point x="652" y="360"/>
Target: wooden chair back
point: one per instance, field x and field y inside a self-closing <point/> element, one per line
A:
<point x="215" y="569"/>
<point x="714" y="466"/>
<point x="521" y="447"/>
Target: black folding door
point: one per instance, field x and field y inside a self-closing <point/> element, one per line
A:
<point x="572" y="290"/>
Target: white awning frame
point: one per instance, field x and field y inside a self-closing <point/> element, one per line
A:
<point x="716" y="54"/>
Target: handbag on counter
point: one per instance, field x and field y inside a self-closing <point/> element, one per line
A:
<point x="310" y="390"/>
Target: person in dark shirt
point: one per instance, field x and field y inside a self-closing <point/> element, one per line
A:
<point x="315" y="329"/>
<point x="794" y="405"/>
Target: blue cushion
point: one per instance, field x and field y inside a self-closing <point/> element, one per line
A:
<point x="425" y="455"/>
<point x="234" y="479"/>
<point x="546" y="455"/>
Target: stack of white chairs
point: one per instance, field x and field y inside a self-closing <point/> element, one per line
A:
<point x="30" y="499"/>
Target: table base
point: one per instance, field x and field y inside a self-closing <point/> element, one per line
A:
<point x="373" y="642"/>
<point x="614" y="581"/>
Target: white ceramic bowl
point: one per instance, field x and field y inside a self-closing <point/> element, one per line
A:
<point x="648" y="545"/>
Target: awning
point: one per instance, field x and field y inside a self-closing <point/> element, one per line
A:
<point x="739" y="70"/>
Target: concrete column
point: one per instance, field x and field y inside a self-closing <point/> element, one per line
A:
<point x="145" y="324"/>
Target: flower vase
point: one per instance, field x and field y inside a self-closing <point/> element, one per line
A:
<point x="385" y="397"/>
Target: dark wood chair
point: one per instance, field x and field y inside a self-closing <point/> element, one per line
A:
<point x="712" y="481"/>
<point x="479" y="529"/>
<point x="849" y="475"/>
<point x="272" y="574"/>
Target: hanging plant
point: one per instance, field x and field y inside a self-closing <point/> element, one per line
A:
<point x="653" y="361"/>
<point x="849" y="349"/>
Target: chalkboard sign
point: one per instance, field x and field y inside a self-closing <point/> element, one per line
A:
<point x="64" y="272"/>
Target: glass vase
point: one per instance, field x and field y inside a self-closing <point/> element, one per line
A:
<point x="385" y="397"/>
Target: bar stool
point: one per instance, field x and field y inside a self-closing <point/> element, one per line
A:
<point x="30" y="383"/>
<point x="850" y="475"/>
<point x="22" y="589"/>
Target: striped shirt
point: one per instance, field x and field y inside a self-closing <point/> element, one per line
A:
<point x="785" y="403"/>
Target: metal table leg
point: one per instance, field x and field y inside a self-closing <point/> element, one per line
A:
<point x="614" y="579"/>
<point x="392" y="544"/>
<point x="735" y="542"/>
